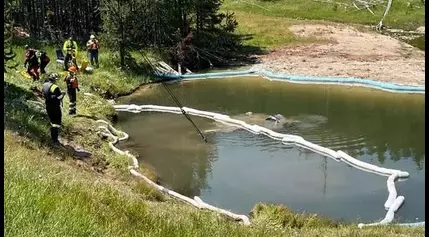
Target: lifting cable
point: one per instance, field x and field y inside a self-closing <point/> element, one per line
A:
<point x="183" y="111"/>
<point x="178" y="102"/>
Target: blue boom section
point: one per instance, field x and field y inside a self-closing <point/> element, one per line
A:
<point x="300" y="79"/>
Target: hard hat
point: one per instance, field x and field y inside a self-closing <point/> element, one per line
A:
<point x="53" y="76"/>
<point x="72" y="69"/>
<point x="92" y="37"/>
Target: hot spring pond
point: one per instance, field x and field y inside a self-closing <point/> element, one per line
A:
<point x="237" y="169"/>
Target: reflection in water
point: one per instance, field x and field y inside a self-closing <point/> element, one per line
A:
<point x="388" y="122"/>
<point x="325" y="174"/>
<point x="236" y="169"/>
<point x="183" y="156"/>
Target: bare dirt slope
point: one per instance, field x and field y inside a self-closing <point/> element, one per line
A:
<point x="349" y="53"/>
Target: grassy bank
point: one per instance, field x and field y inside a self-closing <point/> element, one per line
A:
<point x="403" y="14"/>
<point x="50" y="193"/>
<point x="265" y="23"/>
<point x="269" y="32"/>
<point x="45" y="197"/>
<point x="25" y="112"/>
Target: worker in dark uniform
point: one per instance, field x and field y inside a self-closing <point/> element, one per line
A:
<point x="44" y="60"/>
<point x="72" y="86"/>
<point x="53" y="97"/>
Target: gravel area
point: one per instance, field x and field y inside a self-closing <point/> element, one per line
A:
<point x="349" y="53"/>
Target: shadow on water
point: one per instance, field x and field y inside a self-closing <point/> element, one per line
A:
<point x="237" y="169"/>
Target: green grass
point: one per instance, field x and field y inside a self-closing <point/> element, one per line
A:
<point x="265" y="24"/>
<point x="30" y="119"/>
<point x="97" y="196"/>
<point x="401" y="14"/>
<point x="45" y="197"/>
<point x="269" y="32"/>
<point x="109" y="81"/>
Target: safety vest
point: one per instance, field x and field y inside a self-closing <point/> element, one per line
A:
<point x="71" y="84"/>
<point x="92" y="45"/>
<point x="69" y="46"/>
<point x="48" y="93"/>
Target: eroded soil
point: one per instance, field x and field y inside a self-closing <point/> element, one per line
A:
<point x="348" y="53"/>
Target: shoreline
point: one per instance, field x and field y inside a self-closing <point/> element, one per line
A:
<point x="110" y="166"/>
<point x="349" y="57"/>
<point x="374" y="84"/>
<point x="285" y="139"/>
<point x="348" y="52"/>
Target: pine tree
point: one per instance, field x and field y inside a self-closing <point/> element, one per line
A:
<point x="121" y="24"/>
<point x="8" y="54"/>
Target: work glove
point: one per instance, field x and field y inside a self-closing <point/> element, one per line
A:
<point x="61" y="96"/>
<point x="25" y="65"/>
<point x="78" y="89"/>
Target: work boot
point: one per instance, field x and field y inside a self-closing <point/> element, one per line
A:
<point x="54" y="135"/>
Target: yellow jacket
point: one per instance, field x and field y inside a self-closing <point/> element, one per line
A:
<point x="69" y="45"/>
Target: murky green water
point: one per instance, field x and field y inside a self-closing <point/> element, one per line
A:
<point x="237" y="169"/>
<point x="418" y="42"/>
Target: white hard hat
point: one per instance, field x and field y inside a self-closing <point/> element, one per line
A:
<point x="92" y="37"/>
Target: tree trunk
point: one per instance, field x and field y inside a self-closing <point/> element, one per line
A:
<point x="121" y="44"/>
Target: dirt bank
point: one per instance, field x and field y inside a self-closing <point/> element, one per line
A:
<point x="349" y="53"/>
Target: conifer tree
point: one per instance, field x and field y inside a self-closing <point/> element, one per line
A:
<point x="8" y="54"/>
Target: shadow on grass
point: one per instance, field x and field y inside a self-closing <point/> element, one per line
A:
<point x="220" y="49"/>
<point x="250" y="49"/>
<point x="28" y="121"/>
<point x="237" y="53"/>
<point x="246" y="54"/>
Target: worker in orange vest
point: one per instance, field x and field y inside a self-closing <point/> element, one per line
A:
<point x="72" y="85"/>
<point x="92" y="46"/>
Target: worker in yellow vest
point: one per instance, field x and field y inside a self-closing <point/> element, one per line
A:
<point x="70" y="50"/>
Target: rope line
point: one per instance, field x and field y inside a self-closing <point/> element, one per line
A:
<point x="183" y="111"/>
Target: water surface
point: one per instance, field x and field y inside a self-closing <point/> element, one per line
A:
<point x="237" y="169"/>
